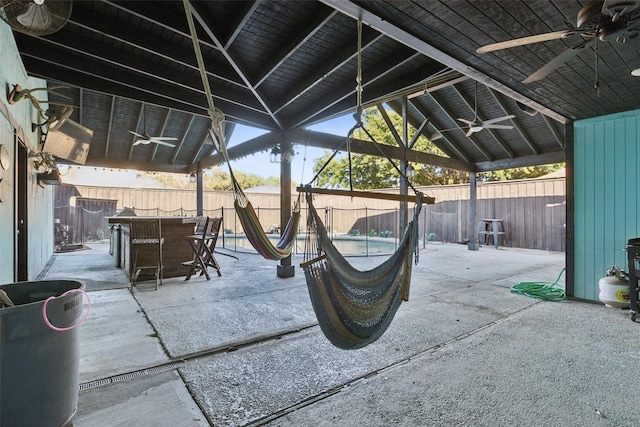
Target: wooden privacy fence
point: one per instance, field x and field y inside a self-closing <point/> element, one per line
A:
<point x="534" y="210"/>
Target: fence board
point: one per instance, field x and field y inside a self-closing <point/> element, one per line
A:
<point x="534" y="211"/>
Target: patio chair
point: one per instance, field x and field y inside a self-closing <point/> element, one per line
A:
<point x="203" y="246"/>
<point x="147" y="233"/>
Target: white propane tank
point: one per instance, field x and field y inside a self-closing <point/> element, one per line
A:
<point x="613" y="290"/>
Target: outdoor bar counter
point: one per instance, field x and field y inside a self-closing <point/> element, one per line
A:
<point x="175" y="249"/>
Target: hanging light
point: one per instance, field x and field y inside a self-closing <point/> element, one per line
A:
<point x="192" y="177"/>
<point x="409" y="171"/>
<point x="274" y="156"/>
<point x="279" y="156"/>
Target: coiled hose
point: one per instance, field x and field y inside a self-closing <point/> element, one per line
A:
<point x="542" y="290"/>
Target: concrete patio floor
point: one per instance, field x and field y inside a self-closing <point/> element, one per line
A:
<point x="245" y="349"/>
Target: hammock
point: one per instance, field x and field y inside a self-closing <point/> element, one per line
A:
<point x="248" y="218"/>
<point x="254" y="231"/>
<point x="355" y="307"/>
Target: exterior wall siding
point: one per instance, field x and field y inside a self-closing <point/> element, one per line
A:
<point x="606" y="183"/>
<point x="16" y="120"/>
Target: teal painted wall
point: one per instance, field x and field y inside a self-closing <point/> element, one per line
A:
<point x="40" y="199"/>
<point x="606" y="182"/>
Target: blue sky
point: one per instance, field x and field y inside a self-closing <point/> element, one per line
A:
<point x="301" y="170"/>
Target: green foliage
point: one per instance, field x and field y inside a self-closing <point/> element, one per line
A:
<point x="370" y="172"/>
<point x="385" y="233"/>
<point x="214" y="179"/>
<point x="373" y="233"/>
<point x="521" y="173"/>
<point x="354" y="232"/>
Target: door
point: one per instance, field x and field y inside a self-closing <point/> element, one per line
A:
<point x="21" y="249"/>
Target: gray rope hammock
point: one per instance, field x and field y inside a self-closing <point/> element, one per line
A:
<point x="355" y="307"/>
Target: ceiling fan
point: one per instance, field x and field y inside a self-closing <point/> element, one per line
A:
<point x="144" y="138"/>
<point x="35" y="17"/>
<point x="476" y="125"/>
<point x="607" y="21"/>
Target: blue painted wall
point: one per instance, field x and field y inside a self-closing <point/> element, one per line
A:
<point x="17" y="118"/>
<point x="606" y="199"/>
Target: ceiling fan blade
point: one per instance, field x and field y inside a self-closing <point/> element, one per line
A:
<point x="489" y="122"/>
<point x="137" y="134"/>
<point x="163" y="138"/>
<point x="469" y="132"/>
<point x="526" y="40"/>
<point x="557" y="61"/>
<point x="168" y="144"/>
<point x="484" y="126"/>
<point x="469" y="122"/>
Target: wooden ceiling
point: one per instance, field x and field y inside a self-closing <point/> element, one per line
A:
<point x="282" y="65"/>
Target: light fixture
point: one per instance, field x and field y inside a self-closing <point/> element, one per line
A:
<point x="287" y="155"/>
<point x="279" y="156"/>
<point x="274" y="156"/>
<point x="192" y="177"/>
<point x="475" y="128"/>
<point x="636" y="72"/>
<point x="409" y="172"/>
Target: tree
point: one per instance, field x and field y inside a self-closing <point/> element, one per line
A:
<point x="369" y="172"/>
<point x="214" y="179"/>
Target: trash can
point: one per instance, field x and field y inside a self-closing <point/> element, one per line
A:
<point x="39" y="352"/>
<point x="116" y="233"/>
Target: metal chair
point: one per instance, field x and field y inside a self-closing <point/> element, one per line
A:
<point x="147" y="232"/>
<point x="203" y="245"/>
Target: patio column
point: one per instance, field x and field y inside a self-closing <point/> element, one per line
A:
<point x="404" y="208"/>
<point x="285" y="269"/>
<point x="473" y="202"/>
<point x="199" y="191"/>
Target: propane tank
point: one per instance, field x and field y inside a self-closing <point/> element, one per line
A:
<point x="613" y="289"/>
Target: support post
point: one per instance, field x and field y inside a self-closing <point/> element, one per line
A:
<point x="199" y="193"/>
<point x="285" y="269"/>
<point x="473" y="220"/>
<point x="404" y="191"/>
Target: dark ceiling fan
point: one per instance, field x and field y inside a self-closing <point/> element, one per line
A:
<point x="144" y="138"/>
<point x="608" y="21"/>
<point x="36" y="17"/>
<point x="476" y="125"/>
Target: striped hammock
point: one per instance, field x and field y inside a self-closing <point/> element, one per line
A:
<point x="254" y="231"/>
<point x="245" y="211"/>
<point x="355" y="307"/>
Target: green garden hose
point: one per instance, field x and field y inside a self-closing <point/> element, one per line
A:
<point x="542" y="290"/>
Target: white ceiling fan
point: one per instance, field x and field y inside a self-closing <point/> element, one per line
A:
<point x="476" y="125"/>
<point x="144" y="138"/>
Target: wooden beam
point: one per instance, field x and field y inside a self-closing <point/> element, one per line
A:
<point x="428" y="200"/>
<point x="331" y="142"/>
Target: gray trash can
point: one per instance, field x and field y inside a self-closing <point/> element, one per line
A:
<point x="39" y="365"/>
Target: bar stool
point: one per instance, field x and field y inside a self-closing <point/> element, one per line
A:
<point x="203" y="245"/>
<point x="146" y="232"/>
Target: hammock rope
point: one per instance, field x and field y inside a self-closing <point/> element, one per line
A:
<point x="245" y="211"/>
